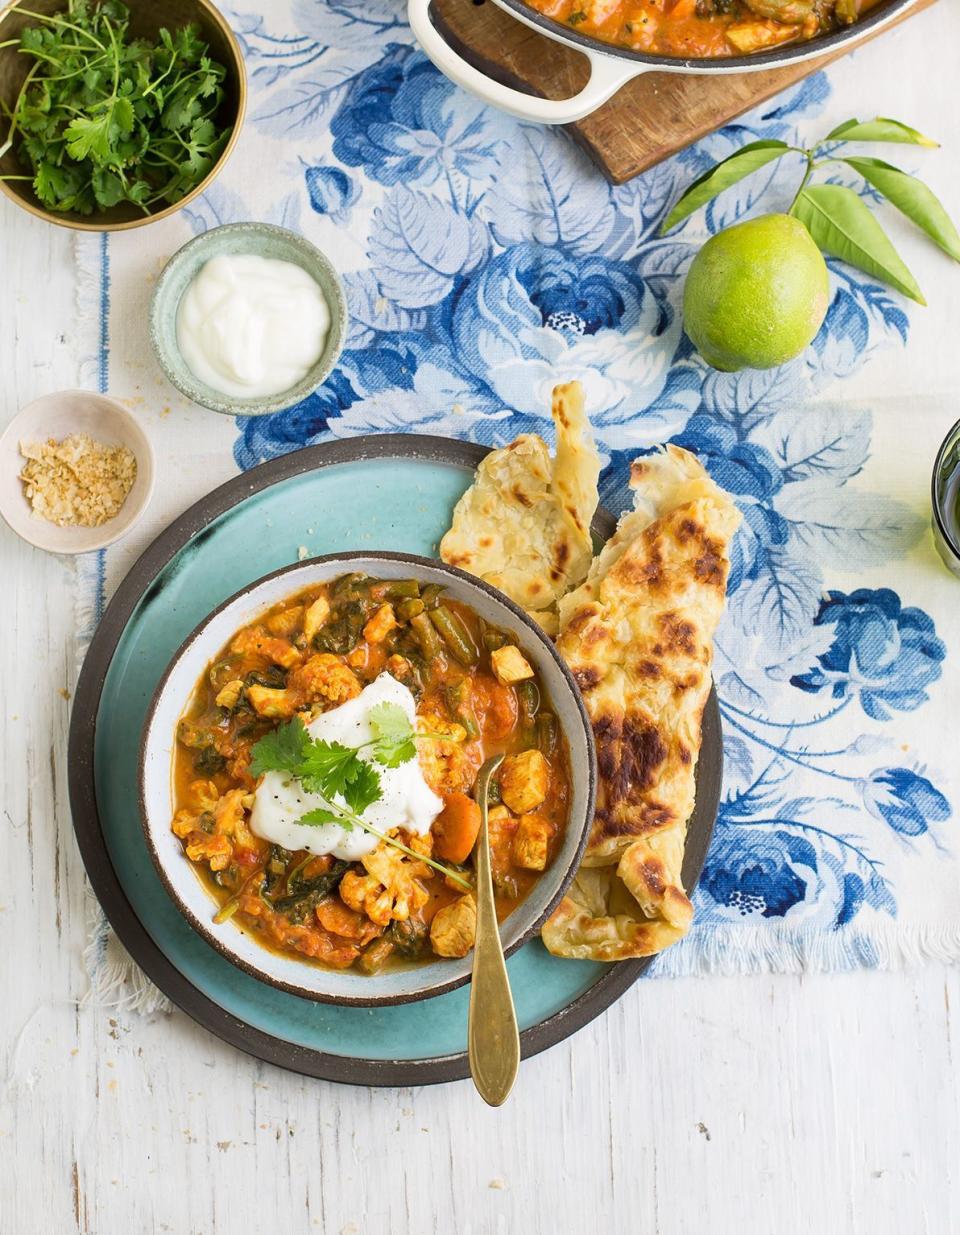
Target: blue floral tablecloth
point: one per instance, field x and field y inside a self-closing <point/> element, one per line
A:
<point x="485" y="260"/>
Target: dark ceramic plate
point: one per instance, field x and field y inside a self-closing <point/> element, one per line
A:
<point x="388" y="492"/>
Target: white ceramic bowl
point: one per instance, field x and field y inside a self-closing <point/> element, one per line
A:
<point x="156" y="797"/>
<point x="57" y="416"/>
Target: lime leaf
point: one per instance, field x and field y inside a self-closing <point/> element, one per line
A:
<point x="842" y="225"/>
<point x="748" y="159"/>
<point x="913" y="198"/>
<point x="879" y="130"/>
<point x="280" y="751"/>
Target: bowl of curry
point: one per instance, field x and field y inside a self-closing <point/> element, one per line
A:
<point x="622" y="39"/>
<point x="307" y="769"/>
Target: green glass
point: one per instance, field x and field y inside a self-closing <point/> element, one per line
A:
<point x="946" y="500"/>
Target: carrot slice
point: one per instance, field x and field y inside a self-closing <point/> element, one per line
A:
<point x="456" y="828"/>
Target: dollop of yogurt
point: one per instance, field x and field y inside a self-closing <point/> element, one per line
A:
<point x="252" y="326"/>
<point x="406" y="800"/>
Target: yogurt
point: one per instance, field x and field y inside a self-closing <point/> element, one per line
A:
<point x="251" y="326"/>
<point x="406" y="801"/>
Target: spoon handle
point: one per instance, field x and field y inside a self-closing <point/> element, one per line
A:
<point x="493" y="1040"/>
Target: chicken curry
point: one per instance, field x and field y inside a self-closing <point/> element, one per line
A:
<point x="290" y="865"/>
<point x="701" y="29"/>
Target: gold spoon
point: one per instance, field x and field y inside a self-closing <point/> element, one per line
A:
<point x="493" y="1041"/>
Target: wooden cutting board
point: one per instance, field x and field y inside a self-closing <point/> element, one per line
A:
<point x="652" y="117"/>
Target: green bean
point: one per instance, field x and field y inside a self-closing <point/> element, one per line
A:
<point x="402" y="589"/>
<point x="493" y="638"/>
<point x="229" y="908"/>
<point x="547" y="733"/>
<point x="528" y="696"/>
<point x="469" y="722"/>
<point x="408" y="609"/>
<point x="347" y="583"/>
<point x="431" y="595"/>
<point x="455" y="635"/>
<point x="426" y="636"/>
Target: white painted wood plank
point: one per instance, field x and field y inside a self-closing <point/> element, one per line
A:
<point x="825" y="1104"/>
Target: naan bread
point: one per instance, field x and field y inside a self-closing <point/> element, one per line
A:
<point x="638" y="635"/>
<point x="524" y="523"/>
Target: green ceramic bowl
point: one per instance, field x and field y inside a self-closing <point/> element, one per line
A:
<point x="261" y="240"/>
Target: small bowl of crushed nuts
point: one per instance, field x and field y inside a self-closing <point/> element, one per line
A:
<point x="76" y="472"/>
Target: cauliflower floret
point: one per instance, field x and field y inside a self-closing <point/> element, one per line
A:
<point x="454" y="928"/>
<point x="524" y="780"/>
<point x="229" y="818"/>
<point x="315" y="617"/>
<point x="400" y="876"/>
<point x="202" y="797"/>
<point x="255" y="641"/>
<point x="447" y="766"/>
<point x="230" y="694"/>
<point x="366" y="894"/>
<point x="216" y="850"/>
<point x="380" y="625"/>
<point x="531" y="844"/>
<point x="509" y="665"/>
<point x="398" y="667"/>
<point x="325" y="676"/>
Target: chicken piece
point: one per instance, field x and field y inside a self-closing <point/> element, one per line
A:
<point x="315" y="616"/>
<point x="509" y="665"/>
<point x="230" y="695"/>
<point x="366" y="894"/>
<point x="531" y="843"/>
<point x="286" y="623"/>
<point x="501" y="827"/>
<point x="216" y="850"/>
<point x="398" y="667"/>
<point x="524" y="781"/>
<point x="256" y="641"/>
<point x="400" y="876"/>
<point x="272" y="703"/>
<point x="454" y="927"/>
<point x="380" y="625"/>
<point x="325" y="676"/>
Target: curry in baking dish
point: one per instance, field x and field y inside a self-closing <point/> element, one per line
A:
<point x="700" y="29"/>
<point x="323" y="770"/>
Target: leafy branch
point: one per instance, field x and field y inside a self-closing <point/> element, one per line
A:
<point x="837" y="218"/>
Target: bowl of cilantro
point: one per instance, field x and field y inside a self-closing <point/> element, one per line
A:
<point x="114" y="116"/>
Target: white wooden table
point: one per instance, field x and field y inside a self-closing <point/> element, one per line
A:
<point x="826" y="1105"/>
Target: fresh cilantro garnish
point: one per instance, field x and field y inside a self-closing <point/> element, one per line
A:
<point x="393" y="735"/>
<point x="103" y="117"/>
<point x="283" y="750"/>
<point x="333" y="771"/>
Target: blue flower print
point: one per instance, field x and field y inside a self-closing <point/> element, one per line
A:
<point x="905" y="800"/>
<point x="405" y="123"/>
<point x="753" y="872"/>
<point x="534" y="311"/>
<point x="883" y="654"/>
<point x="331" y="191"/>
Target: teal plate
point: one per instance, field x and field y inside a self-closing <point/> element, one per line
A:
<point x="392" y="492"/>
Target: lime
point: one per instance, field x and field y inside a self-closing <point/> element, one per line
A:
<point x="756" y="294"/>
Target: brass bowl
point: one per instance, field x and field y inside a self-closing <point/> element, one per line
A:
<point x="146" y="18"/>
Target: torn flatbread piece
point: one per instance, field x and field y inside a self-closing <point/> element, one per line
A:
<point x="524" y="524"/>
<point x="638" y="636"/>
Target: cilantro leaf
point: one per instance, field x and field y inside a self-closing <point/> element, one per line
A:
<point x="393" y="735"/>
<point x="328" y="767"/>
<point x="282" y="750"/>
<point x="364" y="789"/>
<point x="319" y="816"/>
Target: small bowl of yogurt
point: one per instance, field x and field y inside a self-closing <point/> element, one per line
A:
<point x="248" y="318"/>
